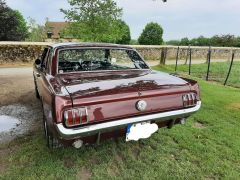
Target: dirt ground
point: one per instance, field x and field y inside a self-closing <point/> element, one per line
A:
<point x="17" y="100"/>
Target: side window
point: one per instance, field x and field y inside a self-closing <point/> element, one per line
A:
<point x="44" y="57"/>
<point x="49" y="61"/>
<point x="121" y="58"/>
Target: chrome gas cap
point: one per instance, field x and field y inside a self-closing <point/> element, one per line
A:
<point x="141" y="105"/>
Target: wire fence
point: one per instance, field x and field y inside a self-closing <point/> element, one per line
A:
<point x="225" y="71"/>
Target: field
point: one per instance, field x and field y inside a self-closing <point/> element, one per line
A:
<point x="218" y="71"/>
<point x="207" y="147"/>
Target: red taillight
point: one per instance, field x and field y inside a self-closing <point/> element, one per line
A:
<point x="189" y="100"/>
<point x="76" y="117"/>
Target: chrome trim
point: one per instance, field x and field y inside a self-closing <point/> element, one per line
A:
<point x="66" y="133"/>
<point x="74" y="116"/>
<point x="86" y="114"/>
<point x="80" y="113"/>
<point x="66" y="117"/>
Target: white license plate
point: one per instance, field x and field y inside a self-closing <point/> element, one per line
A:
<point x="140" y="131"/>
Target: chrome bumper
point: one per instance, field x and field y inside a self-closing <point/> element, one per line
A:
<point x="72" y="133"/>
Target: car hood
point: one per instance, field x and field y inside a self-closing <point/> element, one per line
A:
<point x="90" y="84"/>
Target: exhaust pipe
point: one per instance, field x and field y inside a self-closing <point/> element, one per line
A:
<point x="78" y="144"/>
<point x="183" y="121"/>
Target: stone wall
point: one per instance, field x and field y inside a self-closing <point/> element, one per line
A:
<point x="156" y="52"/>
<point x="20" y="52"/>
<point x="26" y="52"/>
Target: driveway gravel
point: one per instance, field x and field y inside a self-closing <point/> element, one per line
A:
<point x="20" y="111"/>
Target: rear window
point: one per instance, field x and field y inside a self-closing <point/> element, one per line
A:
<point x="71" y="60"/>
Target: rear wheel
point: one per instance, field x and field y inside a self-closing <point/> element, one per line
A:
<point x="52" y="142"/>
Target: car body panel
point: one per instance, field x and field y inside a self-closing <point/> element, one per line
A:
<point x="107" y="95"/>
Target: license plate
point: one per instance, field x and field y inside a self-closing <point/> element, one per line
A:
<point x="140" y="131"/>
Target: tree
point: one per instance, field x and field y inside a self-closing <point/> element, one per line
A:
<point x="93" y="20"/>
<point x="13" y="26"/>
<point x="151" y="35"/>
<point x="173" y="42"/>
<point x="37" y="33"/>
<point x="200" y="41"/>
<point x="224" y="40"/>
<point x="185" y="42"/>
<point x="124" y="32"/>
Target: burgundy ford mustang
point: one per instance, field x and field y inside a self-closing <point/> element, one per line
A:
<point x="91" y="92"/>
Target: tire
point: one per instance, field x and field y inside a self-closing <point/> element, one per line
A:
<point x="52" y="142"/>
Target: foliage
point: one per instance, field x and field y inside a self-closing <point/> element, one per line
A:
<point x="151" y="35"/>
<point x="134" y="42"/>
<point x="13" y="26"/>
<point x="37" y="33"/>
<point x="124" y="32"/>
<point x="206" y="147"/>
<point x="94" y="20"/>
<point x="217" y="40"/>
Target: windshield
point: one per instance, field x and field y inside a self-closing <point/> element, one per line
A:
<point x="70" y="60"/>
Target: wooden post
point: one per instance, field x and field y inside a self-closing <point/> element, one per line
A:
<point x="190" y="61"/>
<point x="177" y="56"/>
<point x="230" y="69"/>
<point x="187" y="54"/>
<point x="209" y="61"/>
<point x="163" y="56"/>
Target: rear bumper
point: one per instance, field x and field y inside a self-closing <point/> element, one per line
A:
<point x="65" y="133"/>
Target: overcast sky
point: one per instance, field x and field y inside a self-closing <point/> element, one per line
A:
<point x="179" y="18"/>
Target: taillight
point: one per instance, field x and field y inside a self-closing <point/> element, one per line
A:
<point x="189" y="99"/>
<point x="76" y="117"/>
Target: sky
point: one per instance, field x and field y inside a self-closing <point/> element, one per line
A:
<point x="179" y="18"/>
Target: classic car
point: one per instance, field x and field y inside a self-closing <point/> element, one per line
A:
<point x="96" y="91"/>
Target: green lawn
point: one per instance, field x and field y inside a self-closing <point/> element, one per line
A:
<point x="218" y="71"/>
<point x="207" y="147"/>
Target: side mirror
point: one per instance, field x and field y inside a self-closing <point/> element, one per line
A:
<point x="38" y="62"/>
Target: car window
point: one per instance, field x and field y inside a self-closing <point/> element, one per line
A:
<point x="70" y="60"/>
<point x="120" y="57"/>
<point x="49" y="61"/>
<point x="44" y="57"/>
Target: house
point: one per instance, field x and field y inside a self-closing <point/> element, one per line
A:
<point x="54" y="29"/>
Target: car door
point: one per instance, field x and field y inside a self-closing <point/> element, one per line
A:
<point x="41" y="70"/>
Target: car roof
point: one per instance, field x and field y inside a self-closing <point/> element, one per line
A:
<point x="88" y="44"/>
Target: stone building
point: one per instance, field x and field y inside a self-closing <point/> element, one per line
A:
<point x="54" y="31"/>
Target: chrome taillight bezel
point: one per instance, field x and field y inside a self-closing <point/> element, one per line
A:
<point x="76" y="113"/>
<point x="189" y="99"/>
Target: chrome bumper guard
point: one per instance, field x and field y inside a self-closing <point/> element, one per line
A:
<point x="72" y="133"/>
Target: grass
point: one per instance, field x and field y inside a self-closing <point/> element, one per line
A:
<point x="218" y="71"/>
<point x="207" y="147"/>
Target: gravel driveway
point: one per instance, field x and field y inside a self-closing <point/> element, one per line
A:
<point x="18" y="103"/>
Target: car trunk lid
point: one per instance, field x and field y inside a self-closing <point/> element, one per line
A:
<point x="114" y="94"/>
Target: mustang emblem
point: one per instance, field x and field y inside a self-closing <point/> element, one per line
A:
<point x="141" y="105"/>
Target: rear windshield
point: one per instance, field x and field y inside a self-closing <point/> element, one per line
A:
<point x="71" y="60"/>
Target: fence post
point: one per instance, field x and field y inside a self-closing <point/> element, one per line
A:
<point x="209" y="61"/>
<point x="177" y="56"/>
<point x="162" y="56"/>
<point x="188" y="49"/>
<point x="230" y="68"/>
<point x="165" y="55"/>
<point x="190" y="60"/>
